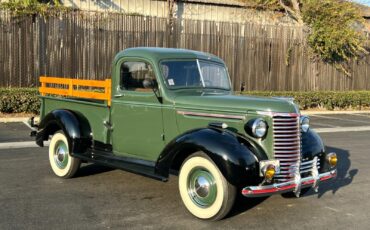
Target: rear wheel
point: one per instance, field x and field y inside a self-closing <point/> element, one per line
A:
<point x="203" y="189"/>
<point x="61" y="162"/>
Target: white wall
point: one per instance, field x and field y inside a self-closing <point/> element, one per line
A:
<point x="181" y="10"/>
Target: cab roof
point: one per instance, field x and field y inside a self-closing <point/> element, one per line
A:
<point x="156" y="54"/>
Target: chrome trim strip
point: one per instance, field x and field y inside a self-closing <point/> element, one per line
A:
<point x="277" y="114"/>
<point x="288" y="140"/>
<point x="282" y="144"/>
<point x="288" y="157"/>
<point x="287" y="131"/>
<point x="315" y="174"/>
<point x="308" y="170"/>
<point x="290" y="152"/>
<point x="308" y="162"/>
<point x="197" y="114"/>
<point x="288" y="135"/>
<point x="308" y="167"/>
<point x="287" y="148"/>
<point x="282" y="124"/>
<point x="279" y="147"/>
<point x="292" y="169"/>
<point x="285" y="127"/>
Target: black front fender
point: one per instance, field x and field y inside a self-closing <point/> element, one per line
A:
<point x="312" y="145"/>
<point x="75" y="127"/>
<point x="236" y="157"/>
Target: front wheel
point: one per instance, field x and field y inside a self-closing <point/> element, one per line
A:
<point x="203" y="189"/>
<point x="61" y="162"/>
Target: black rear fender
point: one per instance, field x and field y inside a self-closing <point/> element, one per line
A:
<point x="74" y="125"/>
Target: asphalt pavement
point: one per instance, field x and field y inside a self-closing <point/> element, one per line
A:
<point x="31" y="197"/>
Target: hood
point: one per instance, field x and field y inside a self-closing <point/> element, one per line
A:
<point x="233" y="103"/>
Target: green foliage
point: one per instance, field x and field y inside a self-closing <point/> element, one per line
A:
<point x="333" y="35"/>
<point x="329" y="100"/>
<point x="25" y="100"/>
<point x="19" y="100"/>
<point x="334" y="28"/>
<point x="31" y="7"/>
<point x="262" y="4"/>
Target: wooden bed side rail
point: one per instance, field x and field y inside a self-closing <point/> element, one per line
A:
<point x="72" y="92"/>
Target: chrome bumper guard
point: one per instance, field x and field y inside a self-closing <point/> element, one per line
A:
<point x="295" y="185"/>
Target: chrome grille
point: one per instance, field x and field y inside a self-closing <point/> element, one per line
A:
<point x="287" y="145"/>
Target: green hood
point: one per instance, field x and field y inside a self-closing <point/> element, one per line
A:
<point x="232" y="103"/>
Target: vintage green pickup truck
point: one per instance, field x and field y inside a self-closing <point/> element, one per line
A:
<point x="173" y="111"/>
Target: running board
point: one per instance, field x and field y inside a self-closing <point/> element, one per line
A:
<point x="137" y="166"/>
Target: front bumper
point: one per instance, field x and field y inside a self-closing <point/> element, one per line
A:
<point x="290" y="186"/>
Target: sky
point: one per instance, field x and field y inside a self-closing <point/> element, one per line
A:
<point x="364" y="2"/>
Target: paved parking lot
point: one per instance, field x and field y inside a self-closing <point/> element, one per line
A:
<point x="31" y="197"/>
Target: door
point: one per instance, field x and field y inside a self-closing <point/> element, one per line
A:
<point x="136" y="112"/>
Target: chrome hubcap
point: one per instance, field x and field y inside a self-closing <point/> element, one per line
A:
<point x="202" y="187"/>
<point x="61" y="154"/>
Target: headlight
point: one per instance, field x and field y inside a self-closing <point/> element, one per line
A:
<point x="305" y="123"/>
<point x="259" y="128"/>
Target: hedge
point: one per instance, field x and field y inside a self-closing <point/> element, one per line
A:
<point x="330" y="100"/>
<point x="25" y="100"/>
<point x="19" y="100"/>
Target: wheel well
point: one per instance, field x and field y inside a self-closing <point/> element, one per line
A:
<point x="180" y="158"/>
<point x="51" y="129"/>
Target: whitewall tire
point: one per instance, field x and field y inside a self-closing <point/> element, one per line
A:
<point x="204" y="190"/>
<point x="61" y="162"/>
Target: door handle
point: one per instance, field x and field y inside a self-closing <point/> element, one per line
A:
<point x="119" y="95"/>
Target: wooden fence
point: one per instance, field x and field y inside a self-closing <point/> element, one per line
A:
<point x="82" y="45"/>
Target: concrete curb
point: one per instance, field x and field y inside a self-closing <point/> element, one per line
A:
<point x="17" y="119"/>
<point x="13" y="119"/>
<point x="333" y="112"/>
<point x="343" y="129"/>
<point x="21" y="145"/>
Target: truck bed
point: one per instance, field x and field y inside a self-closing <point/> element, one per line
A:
<point x="88" y="98"/>
<point x="96" y="112"/>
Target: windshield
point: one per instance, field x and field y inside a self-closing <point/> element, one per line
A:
<point x="195" y="74"/>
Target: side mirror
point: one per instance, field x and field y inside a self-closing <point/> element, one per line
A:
<point x="152" y="84"/>
<point x="149" y="84"/>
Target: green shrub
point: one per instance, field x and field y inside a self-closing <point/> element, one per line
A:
<point x="323" y="99"/>
<point x="335" y="33"/>
<point x="19" y="100"/>
<point x="25" y="100"/>
<point x="32" y="7"/>
<point x="334" y="28"/>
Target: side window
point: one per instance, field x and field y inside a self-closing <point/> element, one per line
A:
<point x="133" y="73"/>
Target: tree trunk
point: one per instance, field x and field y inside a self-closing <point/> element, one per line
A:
<point x="294" y="11"/>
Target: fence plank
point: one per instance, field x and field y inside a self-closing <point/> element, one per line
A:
<point x="82" y="45"/>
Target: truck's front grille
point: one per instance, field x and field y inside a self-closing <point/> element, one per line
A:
<point x="287" y="145"/>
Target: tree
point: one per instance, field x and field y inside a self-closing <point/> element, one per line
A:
<point x="334" y="27"/>
<point x="293" y="7"/>
<point x="335" y="31"/>
<point x="32" y="7"/>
